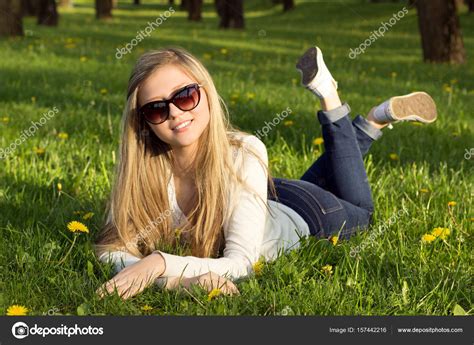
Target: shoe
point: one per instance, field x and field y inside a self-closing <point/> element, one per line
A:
<point x="315" y="76"/>
<point x="416" y="106"/>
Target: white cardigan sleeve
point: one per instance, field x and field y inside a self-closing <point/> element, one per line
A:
<point x="121" y="259"/>
<point x="244" y="230"/>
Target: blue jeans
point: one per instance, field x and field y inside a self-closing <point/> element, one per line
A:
<point x="333" y="196"/>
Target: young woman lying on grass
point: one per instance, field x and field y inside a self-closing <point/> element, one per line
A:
<point x="188" y="179"/>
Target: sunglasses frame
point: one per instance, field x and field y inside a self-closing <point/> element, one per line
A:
<point x="171" y="100"/>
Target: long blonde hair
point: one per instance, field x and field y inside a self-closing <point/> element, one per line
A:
<point x="138" y="210"/>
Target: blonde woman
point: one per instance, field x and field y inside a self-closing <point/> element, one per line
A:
<point x="188" y="179"/>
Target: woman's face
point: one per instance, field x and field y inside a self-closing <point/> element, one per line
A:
<point x="161" y="85"/>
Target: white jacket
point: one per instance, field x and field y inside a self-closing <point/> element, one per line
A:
<point x="250" y="232"/>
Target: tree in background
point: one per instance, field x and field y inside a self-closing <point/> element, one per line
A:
<point x="11" y="23"/>
<point x="29" y="7"/>
<point x="47" y="13"/>
<point x="440" y="31"/>
<point x="103" y="9"/>
<point x="194" y="9"/>
<point x="65" y="3"/>
<point x="231" y="13"/>
<point x="287" y="4"/>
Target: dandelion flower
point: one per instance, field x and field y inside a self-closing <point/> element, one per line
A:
<point x="103" y="91"/>
<point x="17" y="310"/>
<point x="424" y="190"/>
<point x="60" y="186"/>
<point x="213" y="294"/>
<point x="452" y="203"/>
<point x="146" y="308"/>
<point x="288" y="123"/>
<point x="334" y="239"/>
<point x="33" y="99"/>
<point x="5" y="119"/>
<point x="88" y="215"/>
<point x="441" y="232"/>
<point x="224" y="51"/>
<point x="394" y="157"/>
<point x="63" y="135"/>
<point x="75" y="226"/>
<point x="318" y="141"/>
<point x="294" y="81"/>
<point x="207" y="56"/>
<point x="394" y="74"/>
<point x="428" y="238"/>
<point x="39" y="150"/>
<point x="250" y="95"/>
<point x="83" y="58"/>
<point x="258" y="267"/>
<point x="327" y="269"/>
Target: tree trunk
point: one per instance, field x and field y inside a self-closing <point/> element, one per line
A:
<point x="288" y="5"/>
<point x="440" y="31"/>
<point x="184" y="5"/>
<point x="103" y="9"/>
<point x="11" y="23"/>
<point x="136" y="2"/>
<point x="29" y="8"/>
<point x="231" y="13"/>
<point x="47" y="13"/>
<point x="195" y="10"/>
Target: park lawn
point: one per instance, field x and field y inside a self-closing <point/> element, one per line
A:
<point x="418" y="169"/>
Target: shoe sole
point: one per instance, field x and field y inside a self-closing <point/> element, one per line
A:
<point x="417" y="106"/>
<point x="308" y="64"/>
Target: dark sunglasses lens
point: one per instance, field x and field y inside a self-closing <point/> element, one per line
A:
<point x="156" y="112"/>
<point x="187" y="99"/>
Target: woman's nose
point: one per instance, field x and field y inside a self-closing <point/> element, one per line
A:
<point x="175" y="111"/>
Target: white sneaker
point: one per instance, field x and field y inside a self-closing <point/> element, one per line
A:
<point x="416" y="106"/>
<point x="315" y="76"/>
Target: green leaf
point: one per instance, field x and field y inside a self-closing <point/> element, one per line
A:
<point x="83" y="309"/>
<point x="458" y="310"/>
<point x="90" y="269"/>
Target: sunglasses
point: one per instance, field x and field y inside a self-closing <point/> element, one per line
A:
<point x="186" y="99"/>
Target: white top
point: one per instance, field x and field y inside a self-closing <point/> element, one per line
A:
<point x="250" y="232"/>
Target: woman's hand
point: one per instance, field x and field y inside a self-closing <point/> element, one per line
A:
<point x="209" y="281"/>
<point x="135" y="278"/>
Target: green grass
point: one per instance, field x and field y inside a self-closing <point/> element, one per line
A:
<point x="394" y="274"/>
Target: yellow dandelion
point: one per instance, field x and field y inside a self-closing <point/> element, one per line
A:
<point x="334" y="240"/>
<point x="394" y="74"/>
<point x="250" y="95"/>
<point x="213" y="294"/>
<point x="33" y="99"/>
<point x="224" y="51"/>
<point x="75" y="226"/>
<point x="5" y="119"/>
<point x="424" y="190"/>
<point x="327" y="269"/>
<point x="39" y="150"/>
<point x="178" y="232"/>
<point x="17" y="310"/>
<point x="442" y="233"/>
<point x="60" y="186"/>
<point x="452" y="203"/>
<point x="234" y="96"/>
<point x="146" y="308"/>
<point x="88" y="215"/>
<point x="288" y="123"/>
<point x="428" y="238"/>
<point x="318" y="141"/>
<point x="294" y="81"/>
<point x="447" y="88"/>
<point x="207" y="56"/>
<point x="83" y="58"/>
<point x="258" y="267"/>
<point x="103" y="91"/>
<point x="63" y="135"/>
<point x="394" y="157"/>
